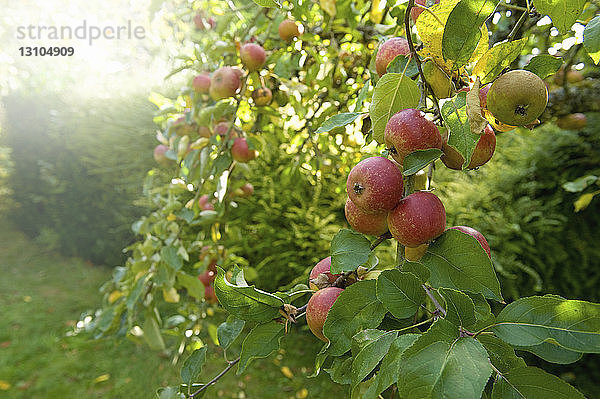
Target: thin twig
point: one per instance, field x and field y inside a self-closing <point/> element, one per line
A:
<point x="380" y="239"/>
<point x="435" y="301"/>
<point x="415" y="56"/>
<point x="217" y="377"/>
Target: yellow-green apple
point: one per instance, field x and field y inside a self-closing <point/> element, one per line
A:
<point x="572" y="121"/>
<point x="262" y="96"/>
<point x="288" y="30"/>
<point x="517" y="98"/>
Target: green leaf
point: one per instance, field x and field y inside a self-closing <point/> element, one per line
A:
<point x="152" y="334"/>
<point x="136" y="291"/>
<point x="553" y="353"/>
<point x="389" y="370"/>
<point x="229" y="330"/>
<point x="543" y="65"/>
<point x="260" y="342"/>
<point x="563" y="13"/>
<point x="462" y="31"/>
<point x="457" y="260"/>
<point x="417" y="269"/>
<point x="533" y="383"/>
<point x="370" y="356"/>
<point x="349" y="250"/>
<point x="193" y="365"/>
<point x="574" y="325"/>
<point x="338" y="120"/>
<point x="591" y="38"/>
<point x="460" y="309"/>
<point x="193" y="286"/>
<point x="246" y="302"/>
<point x="398" y="65"/>
<point x="393" y="92"/>
<point x="497" y="58"/>
<point x="401" y="293"/>
<point x="502" y="355"/>
<point x="170" y="257"/>
<point x="580" y="184"/>
<point x="417" y="160"/>
<point x="340" y="370"/>
<point x="169" y="393"/>
<point x="268" y="3"/>
<point x="462" y="139"/>
<point x="355" y="309"/>
<point x="483" y="312"/>
<point x="440" y="364"/>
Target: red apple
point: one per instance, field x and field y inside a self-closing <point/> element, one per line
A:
<point x="416" y="11"/>
<point x="181" y="127"/>
<point x="478" y="236"/>
<point x="204" y="131"/>
<point x="262" y="96"/>
<point x="247" y="189"/>
<point x="253" y="56"/>
<point x="375" y="184"/>
<point x="225" y="82"/>
<point x="374" y="224"/>
<point x="205" y="204"/>
<point x="572" y="121"/>
<point x="318" y="308"/>
<point x="199" y="22"/>
<point x="288" y="30"/>
<point x="207" y="277"/>
<point x="483" y="95"/>
<point x="418" y="219"/>
<point x="240" y="151"/>
<point x="209" y="294"/>
<point x="408" y="131"/>
<point x="323" y="267"/>
<point x="201" y="83"/>
<point x="388" y="51"/>
<point x="159" y="154"/>
<point x="484" y="150"/>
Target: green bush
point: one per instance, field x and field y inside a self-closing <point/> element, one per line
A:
<point x="74" y="178"/>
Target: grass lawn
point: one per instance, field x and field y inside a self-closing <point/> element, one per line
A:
<point x="42" y="294"/>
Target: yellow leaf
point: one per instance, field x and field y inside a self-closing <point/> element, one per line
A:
<point x="328" y="6"/>
<point x="170" y="295"/>
<point x="302" y="394"/>
<point x="376" y="14"/>
<point x="497" y="58"/>
<point x="431" y="30"/>
<point x="113" y="296"/>
<point x="101" y="378"/>
<point x="583" y="201"/>
<point x="285" y="370"/>
<point x="476" y="120"/>
<point x="4" y="386"/>
<point x="171" y="217"/>
<point x="27" y="298"/>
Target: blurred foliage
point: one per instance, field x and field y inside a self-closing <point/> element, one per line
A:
<point x="539" y="244"/>
<point x="74" y="179"/>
